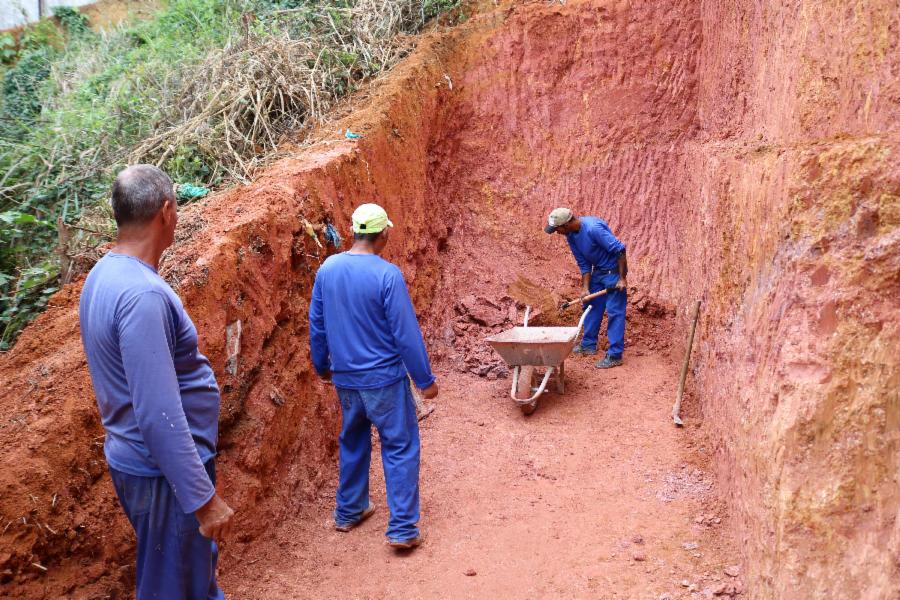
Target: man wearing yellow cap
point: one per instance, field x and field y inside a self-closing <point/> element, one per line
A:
<point x="601" y="258"/>
<point x="364" y="336"/>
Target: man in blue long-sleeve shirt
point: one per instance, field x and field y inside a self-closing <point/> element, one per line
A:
<point x="364" y="336"/>
<point x="157" y="395"/>
<point x="601" y="258"/>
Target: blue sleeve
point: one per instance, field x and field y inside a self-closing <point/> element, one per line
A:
<point x="318" y="343"/>
<point x="583" y="265"/>
<point x="603" y="237"/>
<point x="146" y="329"/>
<point x="405" y="328"/>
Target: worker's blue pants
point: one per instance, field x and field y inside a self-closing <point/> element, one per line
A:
<point x="614" y="304"/>
<point x="393" y="412"/>
<point x="174" y="562"/>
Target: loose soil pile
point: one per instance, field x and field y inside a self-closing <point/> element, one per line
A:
<point x="744" y="156"/>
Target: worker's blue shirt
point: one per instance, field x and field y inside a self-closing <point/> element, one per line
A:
<point x="594" y="245"/>
<point x="362" y="326"/>
<point x="157" y="395"/>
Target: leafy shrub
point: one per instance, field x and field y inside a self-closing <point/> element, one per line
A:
<point x="26" y="292"/>
<point x="22" y="84"/>
<point x="72" y="20"/>
<point x="433" y="8"/>
<point x="8" y="48"/>
<point x="42" y="34"/>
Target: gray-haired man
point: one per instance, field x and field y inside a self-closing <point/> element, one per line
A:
<point x="158" y="397"/>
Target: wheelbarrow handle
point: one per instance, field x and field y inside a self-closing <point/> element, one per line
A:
<point x="540" y="389"/>
<point x="581" y="320"/>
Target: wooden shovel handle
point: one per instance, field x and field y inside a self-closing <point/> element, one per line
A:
<point x="676" y="408"/>
<point x="584" y="299"/>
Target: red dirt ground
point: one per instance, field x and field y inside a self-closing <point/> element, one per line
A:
<point x="596" y="495"/>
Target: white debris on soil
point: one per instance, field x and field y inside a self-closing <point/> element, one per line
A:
<point x="688" y="482"/>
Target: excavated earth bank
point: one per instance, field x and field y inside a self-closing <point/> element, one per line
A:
<point x="746" y="153"/>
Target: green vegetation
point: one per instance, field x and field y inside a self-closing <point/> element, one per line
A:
<point x="7" y="48"/>
<point x="204" y="89"/>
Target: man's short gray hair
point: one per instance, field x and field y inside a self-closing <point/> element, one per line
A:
<point x="139" y="192"/>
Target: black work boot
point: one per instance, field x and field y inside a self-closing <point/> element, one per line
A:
<point x="609" y="362"/>
<point x="582" y="351"/>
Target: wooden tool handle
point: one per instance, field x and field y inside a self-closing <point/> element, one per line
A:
<point x="584" y="299"/>
<point x="676" y="409"/>
<point x="590" y="297"/>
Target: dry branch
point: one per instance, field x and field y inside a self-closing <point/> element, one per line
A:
<point x="239" y="104"/>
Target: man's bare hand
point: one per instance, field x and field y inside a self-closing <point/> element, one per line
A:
<point x="430" y="392"/>
<point x="215" y="518"/>
<point x="621" y="284"/>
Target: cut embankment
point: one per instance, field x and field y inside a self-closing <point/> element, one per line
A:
<point x="717" y="146"/>
<point x="246" y="257"/>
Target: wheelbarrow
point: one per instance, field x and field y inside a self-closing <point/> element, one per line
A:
<point x="525" y="349"/>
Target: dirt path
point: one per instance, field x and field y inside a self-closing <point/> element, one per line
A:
<point x="596" y="495"/>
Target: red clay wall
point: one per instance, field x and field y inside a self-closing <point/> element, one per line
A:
<point x="748" y="156"/>
<point x="798" y="178"/>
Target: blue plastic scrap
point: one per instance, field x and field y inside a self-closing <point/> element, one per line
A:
<point x="186" y="191"/>
<point x="352" y="136"/>
<point x="332" y="236"/>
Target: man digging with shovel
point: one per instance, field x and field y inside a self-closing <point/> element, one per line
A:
<point x="601" y="258"/>
<point x="364" y="336"/>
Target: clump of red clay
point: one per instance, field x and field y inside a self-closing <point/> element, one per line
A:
<point x="745" y="155"/>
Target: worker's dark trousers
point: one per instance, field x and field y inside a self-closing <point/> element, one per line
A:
<point x="614" y="304"/>
<point x="393" y="412"/>
<point x="174" y="562"/>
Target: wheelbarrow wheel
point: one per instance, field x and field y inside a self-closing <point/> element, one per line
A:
<point x="524" y="389"/>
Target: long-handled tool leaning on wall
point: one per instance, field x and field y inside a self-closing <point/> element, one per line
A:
<point x="684" y="367"/>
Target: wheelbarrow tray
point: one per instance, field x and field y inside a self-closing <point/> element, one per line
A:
<point x="536" y="346"/>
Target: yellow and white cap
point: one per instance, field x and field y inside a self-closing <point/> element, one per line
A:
<point x="558" y="217"/>
<point x="370" y="218"/>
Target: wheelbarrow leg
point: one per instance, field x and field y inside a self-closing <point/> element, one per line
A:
<point x="524" y="388"/>
<point x="521" y="390"/>
<point x="561" y="378"/>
